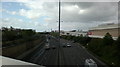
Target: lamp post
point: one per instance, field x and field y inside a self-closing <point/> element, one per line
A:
<point x="59" y="36"/>
<point x="59" y="18"/>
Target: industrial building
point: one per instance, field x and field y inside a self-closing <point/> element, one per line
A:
<point x="74" y="33"/>
<point x="101" y="30"/>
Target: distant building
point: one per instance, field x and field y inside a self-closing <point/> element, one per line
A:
<point x="101" y="30"/>
<point x="74" y="33"/>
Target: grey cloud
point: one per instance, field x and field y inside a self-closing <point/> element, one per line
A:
<point x="82" y="5"/>
<point x="95" y="12"/>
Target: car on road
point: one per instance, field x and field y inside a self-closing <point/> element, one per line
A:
<point x="90" y="63"/>
<point x="53" y="47"/>
<point x="74" y="41"/>
<point x="63" y="45"/>
<point x="68" y="45"/>
<point x="47" y="40"/>
<point x="47" y="47"/>
<point x="48" y="37"/>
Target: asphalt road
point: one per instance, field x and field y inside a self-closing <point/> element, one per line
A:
<point x="74" y="56"/>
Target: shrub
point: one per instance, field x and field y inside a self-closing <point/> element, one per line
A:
<point x="107" y="39"/>
<point x="118" y="47"/>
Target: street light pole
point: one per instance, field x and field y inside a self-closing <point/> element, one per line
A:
<point x="59" y="37"/>
<point x="59" y="18"/>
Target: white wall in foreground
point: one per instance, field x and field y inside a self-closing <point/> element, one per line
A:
<point x="10" y="61"/>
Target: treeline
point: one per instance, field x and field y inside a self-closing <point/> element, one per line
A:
<point x="106" y="48"/>
<point x="56" y="34"/>
<point x="10" y="34"/>
<point x="80" y="39"/>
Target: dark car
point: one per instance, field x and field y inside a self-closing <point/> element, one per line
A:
<point x="48" y="37"/>
<point x="74" y="41"/>
<point x="53" y="47"/>
<point x="63" y="45"/>
<point x="47" y="48"/>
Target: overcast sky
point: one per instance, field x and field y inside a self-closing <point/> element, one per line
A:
<point x="43" y="16"/>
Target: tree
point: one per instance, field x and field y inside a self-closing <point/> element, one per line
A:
<point x="107" y="39"/>
<point x="118" y="44"/>
<point x="81" y="35"/>
<point x="10" y="34"/>
<point x="118" y="40"/>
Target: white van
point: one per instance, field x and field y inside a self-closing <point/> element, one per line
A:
<point x="90" y="63"/>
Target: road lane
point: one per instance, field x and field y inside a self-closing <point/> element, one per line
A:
<point x="45" y="57"/>
<point x="74" y="55"/>
<point x="77" y="54"/>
